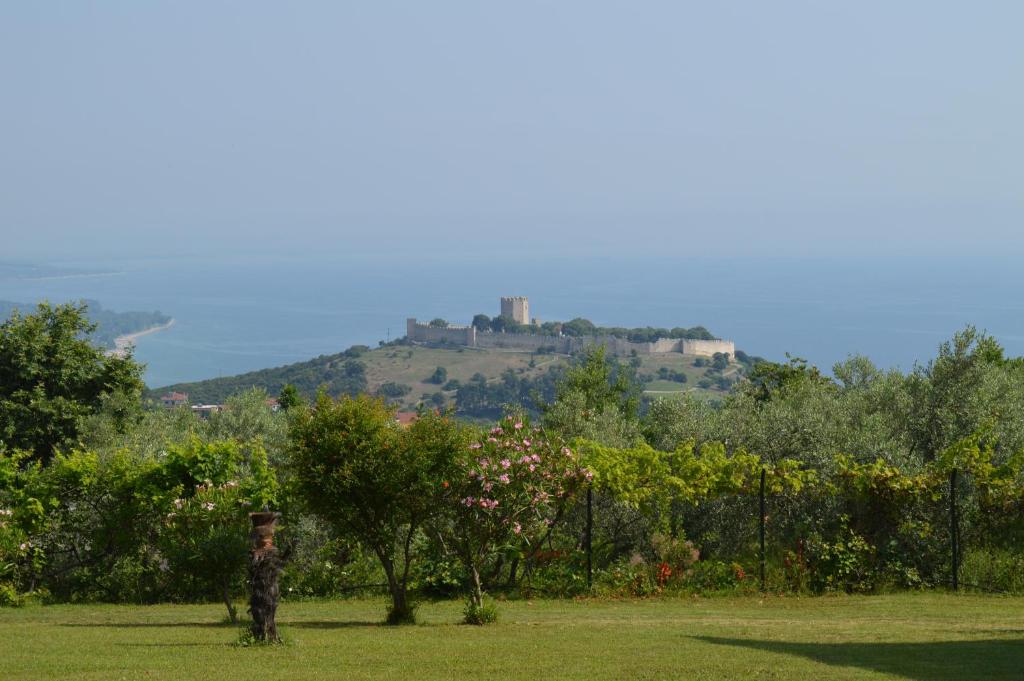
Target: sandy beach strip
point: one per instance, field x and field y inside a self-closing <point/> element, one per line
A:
<point x="123" y="343"/>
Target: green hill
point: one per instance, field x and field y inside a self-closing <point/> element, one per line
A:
<point x="478" y="381"/>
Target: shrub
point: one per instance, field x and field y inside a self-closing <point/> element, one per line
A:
<point x="483" y="613"/>
<point x="439" y="377"/>
<point x="509" y="488"/>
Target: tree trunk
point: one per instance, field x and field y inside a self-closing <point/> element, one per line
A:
<point x="232" y="612"/>
<point x="513" y="570"/>
<point x="400" y="612"/>
<point x="476" y="596"/>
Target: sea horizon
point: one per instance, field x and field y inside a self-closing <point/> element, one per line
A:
<point x="245" y="313"/>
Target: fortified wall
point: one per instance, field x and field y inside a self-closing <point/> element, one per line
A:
<point x="468" y="336"/>
<point x="425" y="333"/>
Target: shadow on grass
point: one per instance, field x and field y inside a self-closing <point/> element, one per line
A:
<point x="326" y="624"/>
<point x="155" y="625"/>
<point x="171" y="645"/>
<point x="933" y="661"/>
<point x="332" y="624"/>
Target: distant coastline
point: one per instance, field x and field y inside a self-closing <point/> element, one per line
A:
<point x="127" y="341"/>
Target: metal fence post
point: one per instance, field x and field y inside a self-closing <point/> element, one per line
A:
<point x="763" y="581"/>
<point x="954" y="531"/>
<point x="590" y="537"/>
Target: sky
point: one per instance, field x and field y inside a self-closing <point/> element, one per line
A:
<point x="483" y="128"/>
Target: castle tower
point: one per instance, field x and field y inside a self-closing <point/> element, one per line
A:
<point x="516" y="307"/>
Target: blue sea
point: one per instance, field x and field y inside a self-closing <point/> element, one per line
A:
<point x="248" y="313"/>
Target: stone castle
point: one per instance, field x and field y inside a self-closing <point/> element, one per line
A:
<point x="518" y="308"/>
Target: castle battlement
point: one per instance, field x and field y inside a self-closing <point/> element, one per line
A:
<point x="518" y="308"/>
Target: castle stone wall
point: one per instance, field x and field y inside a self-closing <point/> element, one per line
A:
<point x="469" y="337"/>
<point x="708" y="347"/>
<point x="424" y="333"/>
<point x="518" y="341"/>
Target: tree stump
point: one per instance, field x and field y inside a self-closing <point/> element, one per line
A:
<point x="265" y="567"/>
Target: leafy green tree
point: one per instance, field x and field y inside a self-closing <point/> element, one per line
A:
<point x="439" y="377"/>
<point x="481" y="322"/>
<point x="954" y="394"/>
<point x="289" y="397"/>
<point x="439" y="323"/>
<point x="597" y="398"/>
<point x="578" y="327"/>
<point x="376" y="482"/>
<point x="52" y="378"/>
<point x="392" y="390"/>
<point x="502" y="323"/>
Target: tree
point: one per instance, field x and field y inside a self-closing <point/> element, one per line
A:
<point x="439" y="323"/>
<point x="439" y="377"/>
<point x="509" y="489"/>
<point x="52" y="378"/>
<point x="952" y="395"/>
<point x="482" y="322"/>
<point x="597" y="398"/>
<point x="502" y="323"/>
<point x="578" y="327"/>
<point x="289" y="397"/>
<point x="373" y="480"/>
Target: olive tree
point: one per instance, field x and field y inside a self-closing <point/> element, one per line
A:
<point x="376" y="482"/>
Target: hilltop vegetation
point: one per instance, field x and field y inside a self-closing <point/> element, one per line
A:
<point x="582" y="327"/>
<point x="479" y="382"/>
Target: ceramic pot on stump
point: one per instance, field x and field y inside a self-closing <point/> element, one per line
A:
<point x="264" y="571"/>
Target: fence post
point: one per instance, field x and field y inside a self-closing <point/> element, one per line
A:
<point x="590" y="537"/>
<point x="954" y="531"/>
<point x="763" y="582"/>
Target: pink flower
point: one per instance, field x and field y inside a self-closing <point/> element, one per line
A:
<point x="525" y="459"/>
<point x="526" y="443"/>
<point x="533" y="467"/>
<point x="566" y="451"/>
<point x="518" y="425"/>
<point x="475" y="445"/>
<point x="496" y="430"/>
<point x="469" y="501"/>
<point x="517" y="528"/>
<point x="504" y="478"/>
<point x="492" y="439"/>
<point x="488" y="486"/>
<point x="536" y="458"/>
<point x="505" y="463"/>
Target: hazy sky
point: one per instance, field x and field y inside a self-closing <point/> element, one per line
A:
<point x="629" y="127"/>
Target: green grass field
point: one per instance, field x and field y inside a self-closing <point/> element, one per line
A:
<point x="413" y="365"/>
<point x="914" y="636"/>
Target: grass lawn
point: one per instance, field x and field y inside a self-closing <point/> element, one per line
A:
<point x="912" y="636"/>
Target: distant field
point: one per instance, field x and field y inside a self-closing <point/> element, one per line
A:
<point x="412" y="365"/>
<point x="925" y="637"/>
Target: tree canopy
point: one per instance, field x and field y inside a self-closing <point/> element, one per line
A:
<point x="52" y="378"/>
